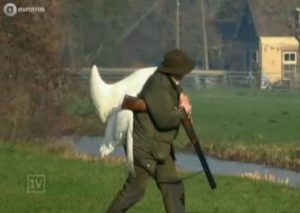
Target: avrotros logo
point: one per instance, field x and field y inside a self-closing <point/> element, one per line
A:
<point x="10" y="9"/>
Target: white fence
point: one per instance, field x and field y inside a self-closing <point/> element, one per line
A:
<point x="196" y="79"/>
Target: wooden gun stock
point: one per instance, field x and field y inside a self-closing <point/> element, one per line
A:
<point x="134" y="104"/>
<point x="189" y="129"/>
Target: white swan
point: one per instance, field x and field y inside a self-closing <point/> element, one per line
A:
<point x="107" y="99"/>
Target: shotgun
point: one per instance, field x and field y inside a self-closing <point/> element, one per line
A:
<point x="186" y="122"/>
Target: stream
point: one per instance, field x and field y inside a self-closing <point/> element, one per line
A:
<point x="190" y="162"/>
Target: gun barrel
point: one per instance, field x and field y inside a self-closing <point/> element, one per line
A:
<point x="205" y="166"/>
<point x="189" y="129"/>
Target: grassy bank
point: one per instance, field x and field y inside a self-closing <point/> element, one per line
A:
<point x="73" y="185"/>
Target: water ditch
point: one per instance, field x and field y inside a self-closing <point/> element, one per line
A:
<point x="190" y="162"/>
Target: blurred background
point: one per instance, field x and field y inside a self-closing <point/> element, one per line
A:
<point x="46" y="56"/>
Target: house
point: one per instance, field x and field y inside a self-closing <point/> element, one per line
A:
<point x="265" y="39"/>
<point x="278" y="57"/>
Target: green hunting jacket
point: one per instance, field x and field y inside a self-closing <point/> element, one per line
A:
<point x="155" y="130"/>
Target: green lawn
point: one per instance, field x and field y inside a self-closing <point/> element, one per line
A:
<point x="77" y="186"/>
<point x="247" y="116"/>
<point x="237" y="124"/>
<point x="248" y="125"/>
<point x="240" y="116"/>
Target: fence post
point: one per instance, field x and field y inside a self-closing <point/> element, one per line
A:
<point x="258" y="79"/>
<point x="225" y="80"/>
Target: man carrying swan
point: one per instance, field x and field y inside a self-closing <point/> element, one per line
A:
<point x="154" y="131"/>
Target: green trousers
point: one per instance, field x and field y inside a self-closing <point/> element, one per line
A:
<point x="165" y="175"/>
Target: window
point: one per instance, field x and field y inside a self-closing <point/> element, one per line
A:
<point x="254" y="56"/>
<point x="289" y="57"/>
<point x="289" y="65"/>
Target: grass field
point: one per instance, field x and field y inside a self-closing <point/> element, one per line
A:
<point x="247" y="116"/>
<point x="76" y="186"/>
<point x="231" y="115"/>
<point x="237" y="124"/>
<point x="249" y="125"/>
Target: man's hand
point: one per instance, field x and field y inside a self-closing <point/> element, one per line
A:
<point x="184" y="101"/>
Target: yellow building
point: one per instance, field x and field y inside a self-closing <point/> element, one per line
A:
<point x="278" y="57"/>
<point x="265" y="41"/>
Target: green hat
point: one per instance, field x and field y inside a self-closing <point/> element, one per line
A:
<point x="176" y="62"/>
